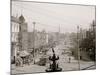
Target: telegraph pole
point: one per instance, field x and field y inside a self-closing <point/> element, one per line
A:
<point x="78" y="50"/>
<point x="59" y="28"/>
<point x="34" y="41"/>
<point x="59" y="34"/>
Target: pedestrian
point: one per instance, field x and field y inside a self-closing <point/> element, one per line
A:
<point x="69" y="60"/>
<point x="18" y="61"/>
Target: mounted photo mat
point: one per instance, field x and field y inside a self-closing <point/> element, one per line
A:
<point x="52" y="37"/>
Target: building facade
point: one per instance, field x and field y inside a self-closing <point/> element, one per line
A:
<point x="19" y="35"/>
<point x="14" y="35"/>
<point x="23" y="34"/>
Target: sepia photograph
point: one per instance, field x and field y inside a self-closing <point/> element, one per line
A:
<point x="52" y="37"/>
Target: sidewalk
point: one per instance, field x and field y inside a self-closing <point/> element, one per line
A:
<point x="73" y="65"/>
<point x="28" y="69"/>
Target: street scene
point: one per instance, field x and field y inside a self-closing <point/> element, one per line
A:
<point x="51" y="37"/>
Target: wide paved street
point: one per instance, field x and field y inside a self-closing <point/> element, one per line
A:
<point x="63" y="63"/>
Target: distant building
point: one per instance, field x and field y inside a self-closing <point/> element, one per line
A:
<point x="30" y="41"/>
<point x="54" y="38"/>
<point x="37" y="40"/>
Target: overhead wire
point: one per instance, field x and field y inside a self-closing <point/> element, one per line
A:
<point x="30" y="10"/>
<point x="46" y="14"/>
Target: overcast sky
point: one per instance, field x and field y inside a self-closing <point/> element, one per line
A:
<point x="50" y="16"/>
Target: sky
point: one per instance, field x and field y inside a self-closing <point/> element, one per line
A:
<point x="52" y="17"/>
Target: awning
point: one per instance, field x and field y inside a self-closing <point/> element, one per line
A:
<point x="23" y="53"/>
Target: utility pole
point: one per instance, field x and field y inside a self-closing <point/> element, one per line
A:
<point x="78" y="50"/>
<point x="34" y="40"/>
<point x="59" y="28"/>
<point x="59" y="34"/>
